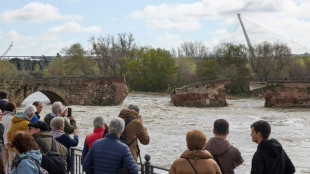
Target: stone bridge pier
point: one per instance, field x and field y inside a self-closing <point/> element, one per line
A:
<point x="99" y="91"/>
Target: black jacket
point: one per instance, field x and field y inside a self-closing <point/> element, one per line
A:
<point x="270" y="158"/>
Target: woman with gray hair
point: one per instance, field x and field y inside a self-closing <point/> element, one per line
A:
<point x="58" y="127"/>
<point x="20" y="121"/>
<point x="98" y="132"/>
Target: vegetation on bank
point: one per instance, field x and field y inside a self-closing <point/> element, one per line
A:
<point x="157" y="70"/>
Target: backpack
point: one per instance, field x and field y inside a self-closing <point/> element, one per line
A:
<point x="41" y="170"/>
<point x="51" y="160"/>
<point x="123" y="136"/>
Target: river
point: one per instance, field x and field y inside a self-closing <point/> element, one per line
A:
<point x="167" y="126"/>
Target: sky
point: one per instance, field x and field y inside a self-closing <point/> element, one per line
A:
<point x="44" y="27"/>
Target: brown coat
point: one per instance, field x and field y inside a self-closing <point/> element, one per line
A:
<point x="134" y="131"/>
<point x="201" y="159"/>
<point x="228" y="156"/>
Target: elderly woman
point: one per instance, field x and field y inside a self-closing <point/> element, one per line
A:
<point x="20" y="121"/>
<point x="58" y="127"/>
<point x="195" y="159"/>
<point x="29" y="157"/>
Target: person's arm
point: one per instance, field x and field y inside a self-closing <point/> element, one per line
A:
<point x="143" y="136"/>
<point x="289" y="166"/>
<point x="172" y="168"/>
<point x="129" y="162"/>
<point x="257" y="164"/>
<point x="88" y="162"/>
<point x="85" y="151"/>
<point x="69" y="127"/>
<point x="238" y="158"/>
<point x="1" y="130"/>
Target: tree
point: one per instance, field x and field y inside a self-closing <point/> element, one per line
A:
<point x="270" y="60"/>
<point x="208" y="69"/>
<point x="7" y="70"/>
<point x="232" y="60"/>
<point x="75" y="63"/>
<point x="110" y="50"/>
<point x="150" y="69"/>
<point x="193" y="49"/>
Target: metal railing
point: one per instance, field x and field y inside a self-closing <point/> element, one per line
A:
<point x="145" y="168"/>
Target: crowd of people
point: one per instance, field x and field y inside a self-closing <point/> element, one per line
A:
<point x="32" y="144"/>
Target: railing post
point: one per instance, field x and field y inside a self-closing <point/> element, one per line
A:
<point x="148" y="169"/>
<point x="72" y="160"/>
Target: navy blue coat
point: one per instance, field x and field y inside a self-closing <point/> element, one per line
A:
<point x="68" y="142"/>
<point x="107" y="155"/>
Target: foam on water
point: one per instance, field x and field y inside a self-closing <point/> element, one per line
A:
<point x="167" y="126"/>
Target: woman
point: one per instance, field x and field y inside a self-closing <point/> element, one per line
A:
<point x="7" y="116"/>
<point x="29" y="157"/>
<point x="195" y="159"/>
<point x="58" y="127"/>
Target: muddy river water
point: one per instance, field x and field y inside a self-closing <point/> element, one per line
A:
<point x="167" y="126"/>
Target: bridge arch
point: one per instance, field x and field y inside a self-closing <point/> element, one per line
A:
<point x="98" y="91"/>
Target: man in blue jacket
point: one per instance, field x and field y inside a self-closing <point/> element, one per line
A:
<point x="109" y="154"/>
<point x="270" y="157"/>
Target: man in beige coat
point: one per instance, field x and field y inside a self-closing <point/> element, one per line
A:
<point x="134" y="131"/>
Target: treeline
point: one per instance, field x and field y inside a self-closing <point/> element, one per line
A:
<point x="155" y="69"/>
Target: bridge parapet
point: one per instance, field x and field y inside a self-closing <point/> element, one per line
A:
<point x="101" y="91"/>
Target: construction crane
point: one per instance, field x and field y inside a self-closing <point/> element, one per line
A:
<point x="7" y="50"/>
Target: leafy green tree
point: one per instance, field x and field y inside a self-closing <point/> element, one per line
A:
<point x="7" y="70"/>
<point x="232" y="60"/>
<point x="76" y="62"/>
<point x="208" y="69"/>
<point x="151" y="69"/>
<point x="55" y="68"/>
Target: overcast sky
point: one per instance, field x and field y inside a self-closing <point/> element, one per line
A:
<point x="46" y="26"/>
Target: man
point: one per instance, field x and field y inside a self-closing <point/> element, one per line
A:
<point x="3" y="100"/>
<point x="99" y="128"/>
<point x="270" y="158"/>
<point x="109" y="154"/>
<point x="57" y="112"/>
<point x="39" y="107"/>
<point x="38" y="129"/>
<point x="227" y="156"/>
<point x="134" y="129"/>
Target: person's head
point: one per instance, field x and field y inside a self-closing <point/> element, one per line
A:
<point x="36" y="127"/>
<point x="98" y="122"/>
<point x="260" y="130"/>
<point x="56" y="108"/>
<point x="196" y="140"/>
<point x="134" y="107"/>
<point x="57" y="123"/>
<point x="221" y="127"/>
<point x="23" y="142"/>
<point x="38" y="105"/>
<point x="30" y="110"/>
<point x="10" y="106"/>
<point x="3" y="95"/>
<point x="116" y="126"/>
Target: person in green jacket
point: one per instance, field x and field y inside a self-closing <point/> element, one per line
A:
<point x="57" y="112"/>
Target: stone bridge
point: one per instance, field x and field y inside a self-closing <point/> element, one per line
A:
<point x="100" y="91"/>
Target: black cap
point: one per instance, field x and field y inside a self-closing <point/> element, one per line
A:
<point x="38" y="124"/>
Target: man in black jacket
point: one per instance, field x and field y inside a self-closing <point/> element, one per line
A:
<point x="270" y="158"/>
